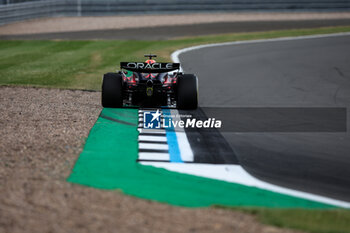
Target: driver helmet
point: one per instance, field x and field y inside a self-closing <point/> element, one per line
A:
<point x="150" y="61"/>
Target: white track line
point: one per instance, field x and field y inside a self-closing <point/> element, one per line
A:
<point x="152" y="138"/>
<point x="152" y="131"/>
<point x="154" y="156"/>
<point x="240" y="173"/>
<point x="150" y="110"/>
<point x="154" y="146"/>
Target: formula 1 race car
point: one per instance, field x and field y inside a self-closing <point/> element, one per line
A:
<point x="150" y="84"/>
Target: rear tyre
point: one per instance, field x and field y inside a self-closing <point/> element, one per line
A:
<point x="187" y="92"/>
<point x="112" y="90"/>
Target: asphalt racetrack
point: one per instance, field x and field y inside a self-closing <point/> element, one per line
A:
<point x="290" y="73"/>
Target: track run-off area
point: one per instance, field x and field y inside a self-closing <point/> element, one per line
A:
<point x="254" y="167"/>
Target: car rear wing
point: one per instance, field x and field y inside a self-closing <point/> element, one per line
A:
<point x="143" y="67"/>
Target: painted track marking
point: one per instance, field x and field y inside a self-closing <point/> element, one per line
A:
<point x="152" y="138"/>
<point x="166" y="145"/>
<point x="236" y="174"/>
<point x="154" y="156"/>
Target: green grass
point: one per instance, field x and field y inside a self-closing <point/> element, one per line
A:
<point x="308" y="220"/>
<point x="81" y="64"/>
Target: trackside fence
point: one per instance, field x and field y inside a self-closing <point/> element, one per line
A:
<point x="11" y="11"/>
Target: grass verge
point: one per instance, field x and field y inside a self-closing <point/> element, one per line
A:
<point x="80" y="64"/>
<point x="309" y="220"/>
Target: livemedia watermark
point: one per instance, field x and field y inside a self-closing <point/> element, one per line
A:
<point x="153" y="120"/>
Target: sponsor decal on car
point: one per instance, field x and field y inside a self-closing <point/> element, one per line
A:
<point x="141" y="65"/>
<point x="146" y="67"/>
